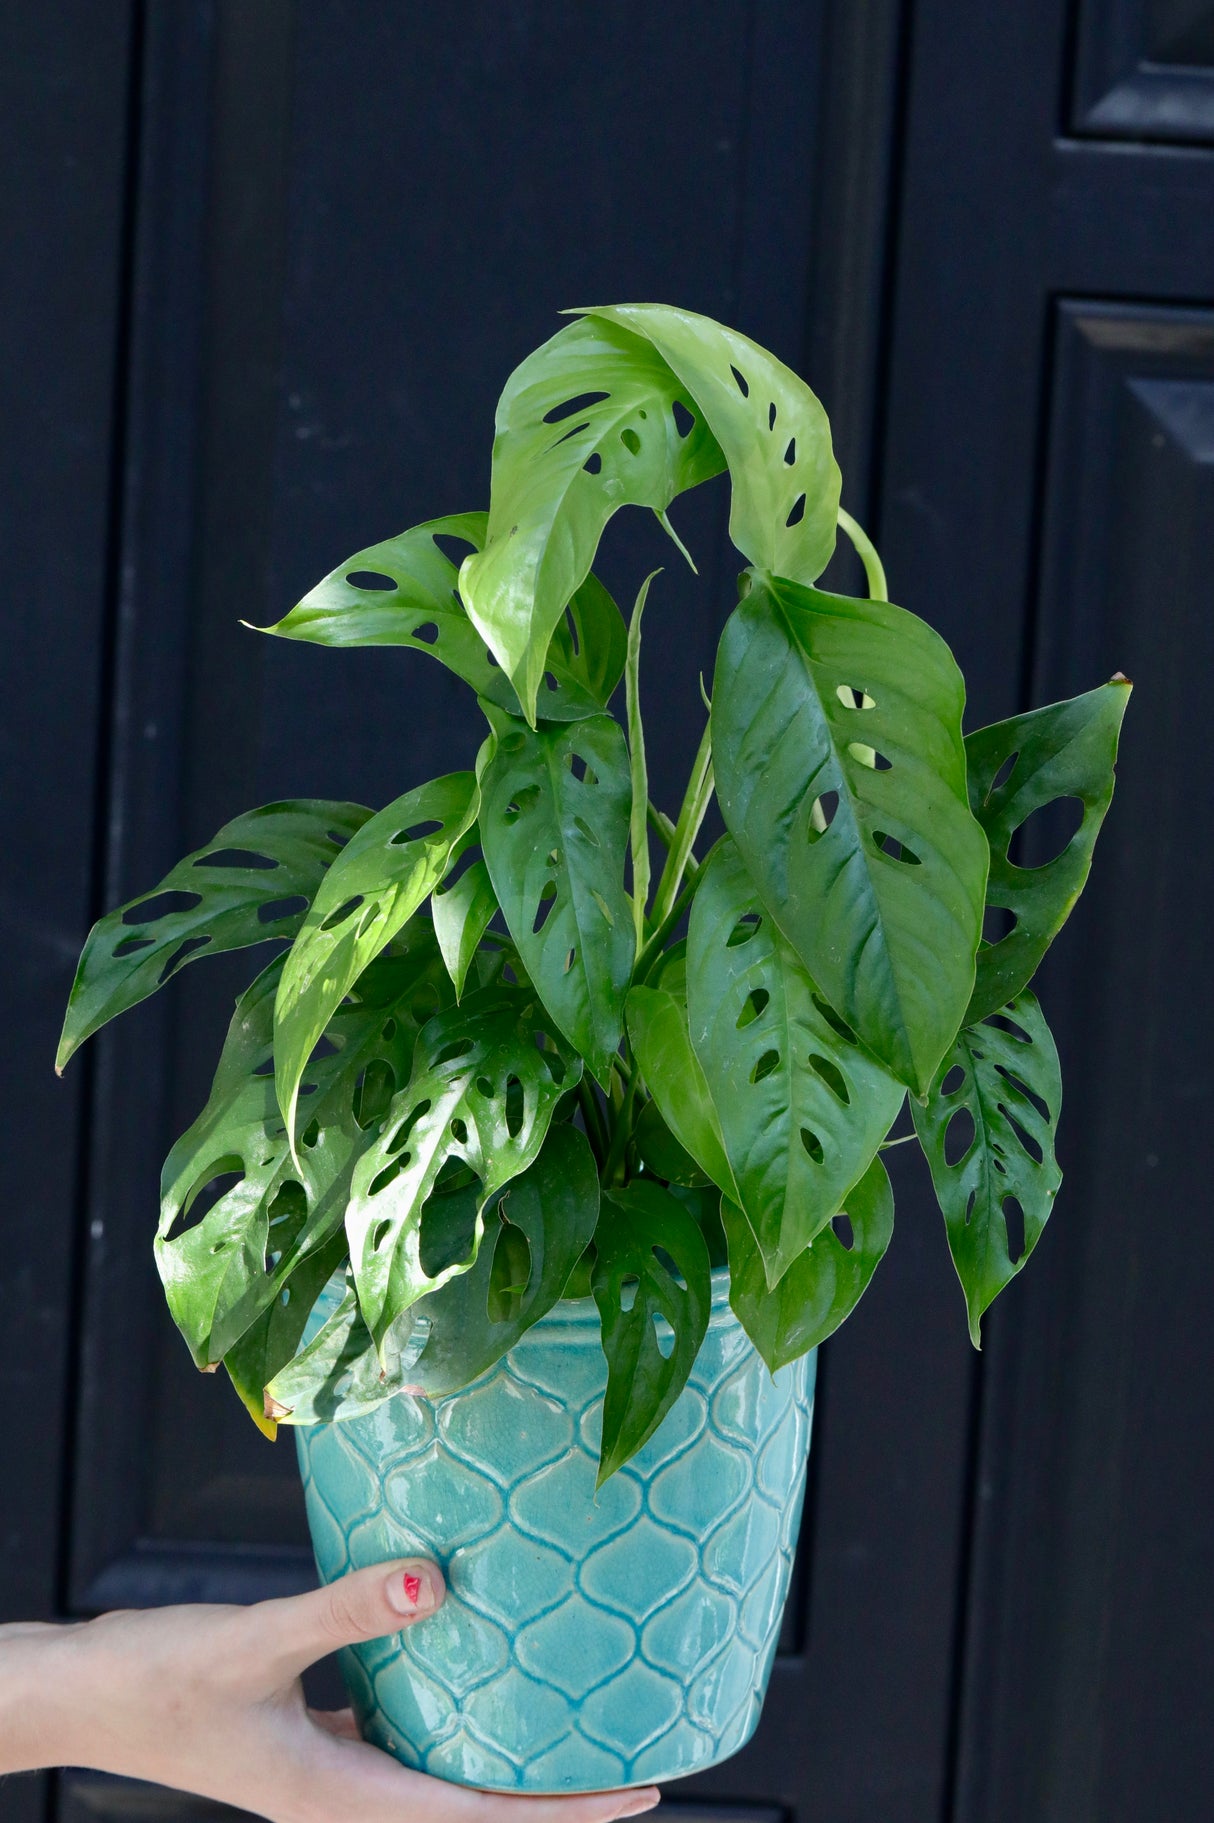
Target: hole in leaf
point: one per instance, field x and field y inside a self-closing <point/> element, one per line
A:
<point x="373" y="1091"/>
<point x="513" y="743"/>
<point x="742" y="383"/>
<point x="868" y="756"/>
<point x="453" y="547"/>
<point x="416" y="832"/>
<point x="163" y="905"/>
<point x="1022" y="1088"/>
<point x="852" y="698"/>
<point x="684" y="420"/>
<point x="401" y="1136"/>
<point x="769" y="1061"/>
<point x="958" y="1137"/>
<point x="515" y="1106"/>
<point x="896" y="850"/>
<point x="238" y="857"/>
<point x="580" y="769"/>
<point x="771" y="416"/>
<point x="746" y="927"/>
<point x="796" y="511"/>
<point x="997" y="923"/>
<point x="1047" y="832"/>
<point x="1002" y="1023"/>
<point x="575" y="638"/>
<point x="584" y="830"/>
<point x="790" y="454"/>
<point x="843" y="1231"/>
<point x="1013" y="1221"/>
<point x="663" y="1335"/>
<point x="276" y="909"/>
<point x="831" y="1075"/>
<point x="459" y="1130"/>
<point x="521" y="802"/>
<point x="1002" y="776"/>
<point x="338" y="837"/>
<point x="821" y="815"/>
<point x="226" y="1174"/>
<point x="310" y="1134"/>
<point x="427" y="633"/>
<point x="451" y="1053"/>
<point x="570" y="958"/>
<point x="593" y="463"/>
<point x="954" y="1080"/>
<point x="582" y="402"/>
<point x="485" y="1087"/>
<point x="545" y="906"/>
<point x="753" y="1005"/>
<point x="631" y="442"/>
<point x="833" y="1020"/>
<point x="812" y="1144"/>
<point x="629" y="1286"/>
<point x="970" y="1200"/>
<point x="550" y="682"/>
<point x="1028" y="1143"/>
<point x="342" y="913"/>
<point x="290" y="1201"/>
<point x="370" y="579"/>
<point x="129" y="945"/>
<point x="555" y="1066"/>
<point x="189" y="948"/>
<point x="670" y="1266"/>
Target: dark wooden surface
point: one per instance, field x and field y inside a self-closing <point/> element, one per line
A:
<point x="266" y="268"/>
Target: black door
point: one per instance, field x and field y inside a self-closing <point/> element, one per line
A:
<point x="266" y="269"/>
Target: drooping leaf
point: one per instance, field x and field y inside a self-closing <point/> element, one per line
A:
<point x="841" y="774"/>
<point x="482" y="1093"/>
<point x="802" y="1109"/>
<point x="637" y="1293"/>
<point x="461" y="909"/>
<point x="341" y="1374"/>
<point x="584" y="426"/>
<point x="383" y="875"/>
<point x="402" y="592"/>
<point x="554" y="830"/>
<point x="538" y="1229"/>
<point x="1017" y="767"/>
<point x="657" y="1026"/>
<point x="253" y="882"/>
<point x="988" y="1133"/>
<point x="222" y="1270"/>
<point x="274" y="1338"/>
<point x="773" y="432"/>
<point x="590" y="642"/>
<point x="823" y="1285"/>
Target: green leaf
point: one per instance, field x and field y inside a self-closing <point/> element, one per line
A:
<point x="554" y="830"/>
<point x="802" y="1110"/>
<point x="273" y="1339"/>
<point x="836" y="729"/>
<point x="341" y="1374"/>
<point x="542" y="1224"/>
<point x="253" y="882"/>
<point x="402" y="592"/>
<point x="638" y="826"/>
<point x="661" y="1153"/>
<point x="773" y="431"/>
<point x="482" y="1094"/>
<point x="222" y="1270"/>
<point x="1002" y="1087"/>
<point x="637" y="1293"/>
<point x="382" y="876"/>
<point x="461" y="909"/>
<point x="823" y="1285"/>
<point x="584" y="426"/>
<point x="657" y="1026"/>
<point x="590" y="643"/>
<point x="1066" y="750"/>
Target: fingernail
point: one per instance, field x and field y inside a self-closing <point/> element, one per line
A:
<point x="642" y="1800"/>
<point x="412" y="1591"/>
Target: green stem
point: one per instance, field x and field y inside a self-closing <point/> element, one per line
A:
<point x="622" y="1133"/>
<point x="661" y="825"/>
<point x="866" y="551"/>
<point x="655" y="945"/>
<point x="695" y="806"/>
<point x="592" y="1114"/>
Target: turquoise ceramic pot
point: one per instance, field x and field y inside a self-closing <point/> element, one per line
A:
<point x="586" y="1640"/>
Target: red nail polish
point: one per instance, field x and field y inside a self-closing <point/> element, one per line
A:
<point x="413" y="1588"/>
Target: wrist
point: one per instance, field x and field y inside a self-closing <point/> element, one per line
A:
<point x="37" y="1708"/>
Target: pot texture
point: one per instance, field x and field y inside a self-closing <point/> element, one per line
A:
<point x="586" y="1640"/>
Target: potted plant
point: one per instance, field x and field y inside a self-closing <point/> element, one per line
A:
<point x="533" y="1174"/>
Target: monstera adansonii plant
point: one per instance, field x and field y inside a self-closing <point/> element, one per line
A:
<point x="493" y="1062"/>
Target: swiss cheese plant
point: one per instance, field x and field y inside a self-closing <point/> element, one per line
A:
<point x="504" y="1058"/>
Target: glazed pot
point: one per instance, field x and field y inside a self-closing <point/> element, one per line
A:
<point x="586" y="1640"/>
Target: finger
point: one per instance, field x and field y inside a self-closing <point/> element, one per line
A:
<point x="295" y="1631"/>
<point x="594" y="1807"/>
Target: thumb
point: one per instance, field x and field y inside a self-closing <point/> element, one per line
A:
<point x="366" y="1604"/>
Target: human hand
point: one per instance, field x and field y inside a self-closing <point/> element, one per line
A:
<point x="208" y="1699"/>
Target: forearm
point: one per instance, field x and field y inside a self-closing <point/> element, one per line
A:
<point x="35" y="1700"/>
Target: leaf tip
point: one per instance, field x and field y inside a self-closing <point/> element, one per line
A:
<point x="274" y="1409"/>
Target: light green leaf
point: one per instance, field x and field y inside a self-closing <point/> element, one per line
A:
<point x="657" y="1026"/>
<point x="823" y="1285"/>
<point x="637" y="1294"/>
<point x="988" y="1133"/>
<point x="590" y="643"/>
<point x="584" y="426"/>
<point x="382" y="877"/>
<point x="554" y="830"/>
<point x="773" y="431"/>
<point x="1066" y="750"/>
<point x="253" y="882"/>
<point x="638" y="827"/>
<point x="836" y="729"/>
<point x="482" y="1094"/>
<point x="341" y="1374"/>
<point x="801" y="1109"/>
<point x="461" y="909"/>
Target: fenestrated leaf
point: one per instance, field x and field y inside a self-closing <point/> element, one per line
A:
<point x="836" y="732"/>
<point x="253" y="882"/>
<point x="461" y="910"/>
<point x="274" y="1338"/>
<point x="584" y="426"/>
<point x="554" y="830"/>
<point x="988" y="1133"/>
<point x="402" y="592"/>
<point x="773" y="432"/>
<point x="636" y="1293"/>
<point x="801" y="1109"/>
<point x="222" y="1271"/>
<point x="383" y="875"/>
<point x="341" y="1374"/>
<point x="551" y="1209"/>
<point x="657" y="1026"/>
<point x="1066" y="750"/>
<point x="482" y="1093"/>
<point x="823" y="1285"/>
<point x="590" y="641"/>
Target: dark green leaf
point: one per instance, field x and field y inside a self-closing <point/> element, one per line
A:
<point x="584" y="426"/>
<point x="253" y="882"/>
<point x="661" y="1152"/>
<point x="461" y="909"/>
<point x="383" y="875"/>
<point x="653" y="1321"/>
<point x="988" y="1133"/>
<point x="823" y="1285"/>
<point x="657" y="1026"/>
<point x="841" y="774"/>
<point x="773" y="431"/>
<point x="273" y="1339"/>
<point x="802" y="1110"/>
<point x="1066" y="750"/>
<point x="542" y="1224"/>
<point x="482" y="1093"/>
<point x="554" y="829"/>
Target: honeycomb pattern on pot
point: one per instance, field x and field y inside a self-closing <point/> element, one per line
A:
<point x="586" y="1640"/>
